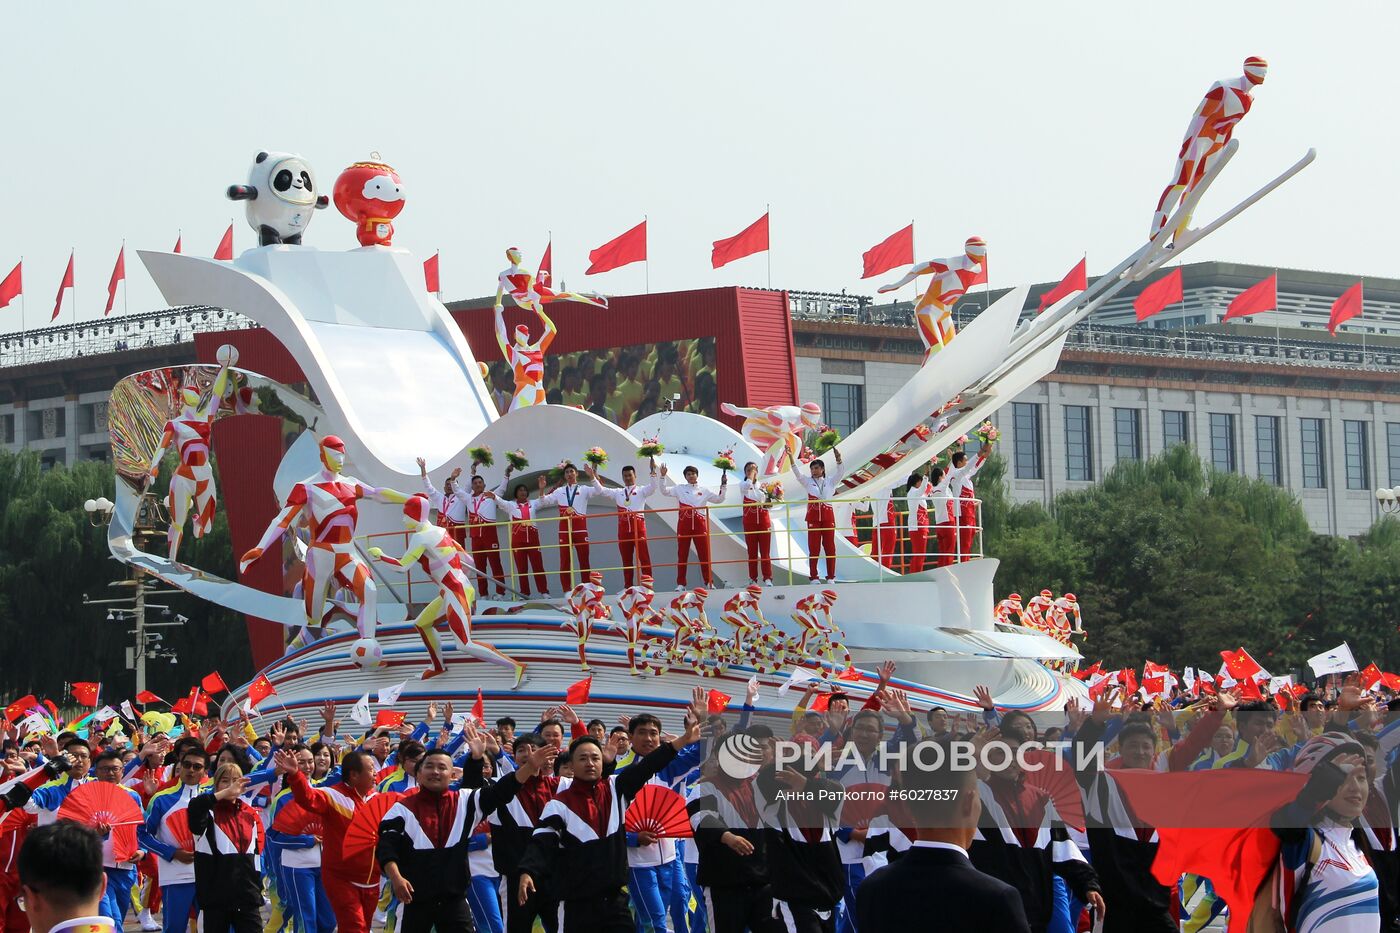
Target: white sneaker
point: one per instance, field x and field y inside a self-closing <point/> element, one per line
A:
<point x="767" y="582"/>
<point x="148" y="923"/>
<point x="753" y="582"/>
<point x="679" y="588"/>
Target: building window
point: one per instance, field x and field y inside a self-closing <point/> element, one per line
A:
<point x="1176" y="429"/>
<point x="1222" y="441"/>
<point x="1392" y="447"/>
<point x="1026" y="416"/>
<point x="843" y="406"/>
<point x="1079" y="443"/>
<point x="1127" y="433"/>
<point x="1266" y="442"/>
<point x="1314" y="453"/>
<point x="1358" y="454"/>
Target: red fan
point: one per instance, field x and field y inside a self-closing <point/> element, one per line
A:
<point x="362" y="835"/>
<point x="101" y="806"/>
<point x="177" y="823"/>
<point x="294" y="821"/>
<point x="862" y="803"/>
<point x="660" y="811"/>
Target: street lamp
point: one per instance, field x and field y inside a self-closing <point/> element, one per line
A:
<point x="1389" y="500"/>
<point x="99" y="511"/>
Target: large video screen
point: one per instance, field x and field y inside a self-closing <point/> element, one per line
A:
<point x="625" y="384"/>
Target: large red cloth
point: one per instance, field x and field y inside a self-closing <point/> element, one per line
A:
<point x="118" y="274"/>
<point x="1075" y="281"/>
<point x="225" y="250"/>
<point x="1261" y="296"/>
<point x="13" y="286"/>
<point x="1346" y="307"/>
<point x="628" y="248"/>
<point x="65" y="284"/>
<point x="1155" y="297"/>
<point x="752" y="239"/>
<point x="894" y="251"/>
<point x="430" y="274"/>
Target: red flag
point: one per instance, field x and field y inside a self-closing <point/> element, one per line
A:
<point x="1249" y="689"/>
<point x="893" y="251"/>
<point x="479" y="708"/>
<point x="21" y="706"/>
<point x="1076" y="281"/>
<point x="389" y="717"/>
<point x="86" y="692"/>
<point x="1128" y="679"/>
<point x="1154" y="677"/>
<point x="577" y="694"/>
<point x="1155" y="297"/>
<point x="260" y="689"/>
<point x="1240" y="665"/>
<point x="13" y="286"/>
<point x="546" y="270"/>
<point x="65" y="284"/>
<point x="849" y="673"/>
<point x="225" y="250"/>
<point x="1348" y="306"/>
<point x="430" y="273"/>
<point x="1370" y="676"/>
<point x="179" y="239"/>
<point x="629" y="248"/>
<point x="716" y="702"/>
<point x="183" y="705"/>
<point x="1261" y="296"/>
<point x="146" y="696"/>
<point x="820" y="702"/>
<point x="213" y="683"/>
<point x="1088" y="672"/>
<point x="118" y="274"/>
<point x="1390" y="681"/>
<point x="752" y="239"/>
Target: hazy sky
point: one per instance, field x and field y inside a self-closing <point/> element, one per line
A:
<point x="1048" y="128"/>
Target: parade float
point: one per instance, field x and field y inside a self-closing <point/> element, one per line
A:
<point x="380" y="594"/>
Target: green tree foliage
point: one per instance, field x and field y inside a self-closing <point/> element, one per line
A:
<point x="50" y="556"/>
<point x="1173" y="562"/>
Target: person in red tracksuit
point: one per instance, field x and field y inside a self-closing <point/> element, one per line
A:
<point x="960" y="488"/>
<point x="572" y="501"/>
<point x="917" y="500"/>
<point x="821" y="517"/>
<point x="352" y="884"/>
<point x="525" y="541"/>
<point x="758" y="526"/>
<point x="485" y="533"/>
<point x="630" y="500"/>
<point x="693" y="523"/>
<point x="945" y="516"/>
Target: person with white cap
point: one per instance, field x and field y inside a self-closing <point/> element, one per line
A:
<point x="952" y="277"/>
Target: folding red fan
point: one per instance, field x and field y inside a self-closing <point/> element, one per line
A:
<point x="362" y="835"/>
<point x="294" y="821"/>
<point x="862" y="803"/>
<point x="177" y="823"/>
<point x="102" y="805"/>
<point x="660" y="811"/>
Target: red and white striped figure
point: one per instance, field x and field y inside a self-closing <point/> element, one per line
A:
<point x="687" y="614"/>
<point x="1212" y="125"/>
<point x="1010" y="611"/>
<point x="443" y="559"/>
<point x="1037" y="613"/>
<point x="326" y="502"/>
<point x="777" y="431"/>
<point x="193" y="480"/>
<point x="1065" y="618"/>
<point x="742" y="611"/>
<point x="951" y="279"/>
<point x="635" y="604"/>
<point x="585" y="604"/>
<point x="814" y="615"/>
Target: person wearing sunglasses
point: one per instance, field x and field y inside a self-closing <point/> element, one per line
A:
<point x="159" y="835"/>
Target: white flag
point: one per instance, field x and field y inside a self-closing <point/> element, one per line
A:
<point x="1280" y="683"/>
<point x="130" y="713"/>
<point x="388" y="696"/>
<point x="104" y="714"/>
<point x="798" y="677"/>
<point x="459" y="721"/>
<point x="33" y="724"/>
<point x="753" y="685"/>
<point x="1188" y="677"/>
<point x="1337" y="661"/>
<point x="360" y="711"/>
<point x="249" y="708"/>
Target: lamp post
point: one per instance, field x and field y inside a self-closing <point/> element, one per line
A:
<point x="1388" y="500"/>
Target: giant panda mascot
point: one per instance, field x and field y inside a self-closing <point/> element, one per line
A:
<point x="281" y="196"/>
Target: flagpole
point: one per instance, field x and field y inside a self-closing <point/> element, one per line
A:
<point x="1278" y="339"/>
<point x="22" y="326"/>
<point x="1363" y="326"/>
<point x="126" y="296"/>
<point x="768" y="212"/>
<point x="646" y="264"/>
<point x="72" y="257"/>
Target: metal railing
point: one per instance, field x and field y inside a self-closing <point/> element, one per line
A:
<point x="116" y="334"/>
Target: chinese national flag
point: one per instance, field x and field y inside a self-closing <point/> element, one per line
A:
<point x="1369" y="677"/>
<point x="183" y="705"/>
<point x="1259" y="297"/>
<point x="894" y="251"/>
<point x="820" y="702"/>
<point x="19" y="707"/>
<point x="1390" y="681"/>
<point x="1249" y="689"/>
<point x="1348" y="306"/>
<point x="752" y="239"/>
<point x="578" y="693"/>
<point x="225" y="250"/>
<point x="390" y="718"/>
<point x="118" y="274"/>
<point x="260" y="689"/>
<point x="146" y="696"/>
<point x="479" y="708"/>
<point x="1076" y="281"/>
<point x="849" y="673"/>
<point x="717" y="702"/>
<point x="86" y="692"/>
<point x="1155" y="297"/>
<point x="430" y="274"/>
<point x="213" y="683"/>
<point x="546" y="269"/>
<point x="1240" y="665"/>
<point x="629" y="248"/>
<point x="1128" y="678"/>
<point x="13" y="286"/>
<point x="67" y="283"/>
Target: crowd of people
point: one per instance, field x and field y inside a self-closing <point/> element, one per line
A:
<point x="720" y="824"/>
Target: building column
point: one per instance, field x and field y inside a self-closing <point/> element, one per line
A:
<point x="70" y="429"/>
<point x="21" y="423"/>
<point x="1054" y="441"/>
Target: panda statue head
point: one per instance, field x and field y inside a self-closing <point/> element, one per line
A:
<point x="281" y="197"/>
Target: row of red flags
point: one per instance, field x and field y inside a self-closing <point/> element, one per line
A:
<point x="1258" y="298"/>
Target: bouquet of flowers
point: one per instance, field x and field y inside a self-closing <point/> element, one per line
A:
<point x="772" y="492"/>
<point x="482" y="456"/>
<point x="987" y="433"/>
<point x="827" y="438"/>
<point x="922" y="431"/>
<point x="596" y="456"/>
<point x="516" y="459"/>
<point x="555" y="474"/>
<point x="961" y="441"/>
<point x="651" y="447"/>
<point x="725" y="459"/>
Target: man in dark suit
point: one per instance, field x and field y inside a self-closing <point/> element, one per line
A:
<point x="934" y="887"/>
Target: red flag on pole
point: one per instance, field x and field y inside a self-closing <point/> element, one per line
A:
<point x="1261" y="296"/>
<point x="624" y="250"/>
<point x="577" y="693"/>
<point x="1348" y="306"/>
<point x="179" y="240"/>
<point x="260" y="689"/>
<point x="118" y="274"/>
<point x="1240" y="665"/>
<point x="479" y="708"/>
<point x="86" y="692"/>
<point x="65" y="284"/>
<point x="894" y="251"/>
<point x="430" y="273"/>
<point x="752" y="239"/>
<point x="1155" y="297"/>
<point x="146" y="696"/>
<point x="546" y="270"/>
<point x="388" y="717"/>
<point x="13" y="286"/>
<point x="1076" y="281"/>
<point x="716" y="702"/>
<point x="225" y="250"/>
<point x="213" y="683"/>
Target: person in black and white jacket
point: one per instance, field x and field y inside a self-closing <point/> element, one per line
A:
<point x="801" y="812"/>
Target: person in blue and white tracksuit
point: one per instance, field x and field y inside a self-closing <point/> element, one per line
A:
<point x="175" y="861"/>
<point x="298" y="860"/>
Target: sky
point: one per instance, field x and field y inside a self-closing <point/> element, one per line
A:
<point x="1048" y="129"/>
